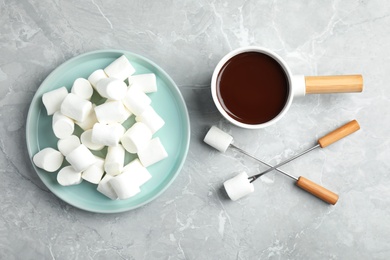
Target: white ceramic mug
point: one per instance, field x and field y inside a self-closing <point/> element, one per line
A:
<point x="298" y="85"/>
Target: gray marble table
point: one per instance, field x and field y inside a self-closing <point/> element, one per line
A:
<point x="193" y="219"/>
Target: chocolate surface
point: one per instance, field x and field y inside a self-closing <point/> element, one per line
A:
<point x="252" y="88"/>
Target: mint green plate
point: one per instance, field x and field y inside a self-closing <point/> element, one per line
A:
<point x="167" y="101"/>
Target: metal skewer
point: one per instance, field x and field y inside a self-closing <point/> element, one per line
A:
<point x="269" y="165"/>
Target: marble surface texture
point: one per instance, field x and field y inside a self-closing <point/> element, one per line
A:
<point x="193" y="219"/>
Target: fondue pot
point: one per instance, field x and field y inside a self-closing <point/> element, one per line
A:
<point x="253" y="87"/>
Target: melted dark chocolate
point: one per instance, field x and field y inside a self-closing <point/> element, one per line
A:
<point x="252" y="88"/>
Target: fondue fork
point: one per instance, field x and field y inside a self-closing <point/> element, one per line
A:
<point x="323" y="142"/>
<point x="221" y="141"/>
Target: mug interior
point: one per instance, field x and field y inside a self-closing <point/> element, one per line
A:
<point x="224" y="109"/>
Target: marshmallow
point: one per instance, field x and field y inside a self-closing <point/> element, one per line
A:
<point x="136" y="101"/>
<point x="68" y="176"/>
<point x="150" y="118"/>
<point x="218" y="139"/>
<point x="238" y="186"/>
<point x="76" y="107"/>
<point x="96" y="76"/>
<point x="48" y="159"/>
<point x="120" y="68"/>
<point x="144" y="82"/>
<point x="82" y="88"/>
<point x="136" y="137"/>
<point x="80" y="158"/>
<point x="108" y="135"/>
<point x="68" y="144"/>
<point x="137" y="172"/>
<point x="112" y="112"/>
<point x="105" y="188"/>
<point x="115" y="160"/>
<point x="111" y="88"/>
<point x="123" y="186"/>
<point x="62" y="125"/>
<point x="52" y="100"/>
<point x="89" y="121"/>
<point x="152" y="153"/>
<point x="86" y="139"/>
<point x="94" y="173"/>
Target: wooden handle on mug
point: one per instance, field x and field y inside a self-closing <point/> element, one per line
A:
<point x="339" y="133"/>
<point x="317" y="190"/>
<point x="333" y="84"/>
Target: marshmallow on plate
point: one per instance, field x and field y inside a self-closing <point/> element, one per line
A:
<point x="94" y="173"/>
<point x="68" y="144"/>
<point x="96" y="76"/>
<point x="150" y="118"/>
<point x="123" y="186"/>
<point x="136" y="137"/>
<point x="81" y="87"/>
<point x="48" y="159"/>
<point x="112" y="112"/>
<point x="86" y="139"/>
<point x="111" y="88"/>
<point x="152" y="153"/>
<point x="81" y="158"/>
<point x="62" y="125"/>
<point x="107" y="134"/>
<point x="137" y="172"/>
<point x="52" y="100"/>
<point x="76" y="107"/>
<point x="144" y="82"/>
<point x="105" y="188"/>
<point x="120" y="69"/>
<point x="218" y="139"/>
<point x="238" y="186"/>
<point x="136" y="101"/>
<point x="89" y="121"/>
<point x="115" y="160"/>
<point x="68" y="176"/>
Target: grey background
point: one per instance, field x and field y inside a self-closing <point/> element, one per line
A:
<point x="192" y="219"/>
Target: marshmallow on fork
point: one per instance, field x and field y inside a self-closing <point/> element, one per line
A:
<point x="150" y="118"/>
<point x="76" y="107"/>
<point x="107" y="134"/>
<point x="111" y="88"/>
<point x="94" y="173"/>
<point x="81" y="158"/>
<point x="48" y="159"/>
<point x="96" y="76"/>
<point x="136" y="137"/>
<point x="120" y="69"/>
<point x="144" y="82"/>
<point x="62" y="125"/>
<point x="68" y="176"/>
<point x="136" y="101"/>
<point x="152" y="153"/>
<point x="218" y="139"/>
<point x="82" y="88"/>
<point x="68" y="144"/>
<point x="112" y="112"/>
<point x="238" y="186"/>
<point x="105" y="187"/>
<point x="86" y="139"/>
<point x="115" y="160"/>
<point x="52" y="100"/>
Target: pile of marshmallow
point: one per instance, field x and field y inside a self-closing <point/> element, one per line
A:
<point x="102" y="127"/>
